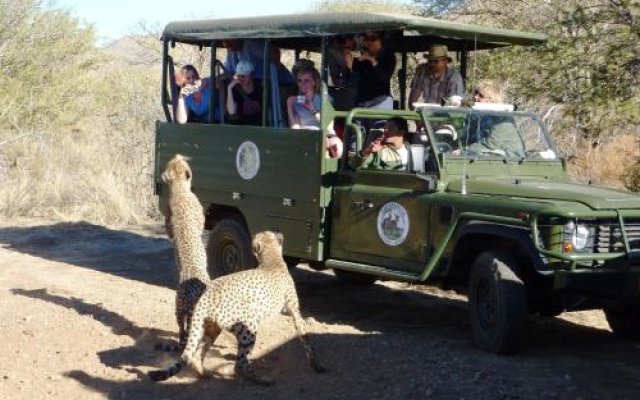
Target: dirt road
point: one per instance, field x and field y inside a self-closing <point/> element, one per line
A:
<point x="82" y="307"/>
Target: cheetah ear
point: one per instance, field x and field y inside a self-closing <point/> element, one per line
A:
<point x="280" y="237"/>
<point x="187" y="174"/>
<point x="257" y="247"/>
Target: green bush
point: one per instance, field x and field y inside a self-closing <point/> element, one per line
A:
<point x="632" y="177"/>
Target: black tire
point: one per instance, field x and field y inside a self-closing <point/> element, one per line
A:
<point x="497" y="302"/>
<point x="229" y="248"/>
<point x="354" y="278"/>
<point x="624" y="320"/>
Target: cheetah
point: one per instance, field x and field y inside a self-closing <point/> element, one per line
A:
<point x="238" y="303"/>
<point x="184" y="220"/>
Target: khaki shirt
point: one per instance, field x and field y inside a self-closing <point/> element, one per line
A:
<point x="388" y="158"/>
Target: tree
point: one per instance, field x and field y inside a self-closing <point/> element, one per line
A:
<point x="387" y="6"/>
<point x="44" y="60"/>
<point x="437" y="8"/>
<point x="590" y="65"/>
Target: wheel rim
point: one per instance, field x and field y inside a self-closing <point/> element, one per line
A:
<point x="487" y="304"/>
<point x="229" y="256"/>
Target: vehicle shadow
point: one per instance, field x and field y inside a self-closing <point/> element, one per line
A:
<point x="392" y="343"/>
<point x="385" y="341"/>
<point x="389" y="366"/>
<point x="122" y="253"/>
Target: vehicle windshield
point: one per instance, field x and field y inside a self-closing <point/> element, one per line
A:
<point x="463" y="132"/>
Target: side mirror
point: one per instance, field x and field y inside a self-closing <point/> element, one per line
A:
<point x="417" y="158"/>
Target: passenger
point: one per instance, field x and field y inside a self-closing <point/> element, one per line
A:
<point x="304" y="109"/>
<point x="487" y="92"/>
<point x="493" y="134"/>
<point x="285" y="77"/>
<point x="244" y="50"/>
<point x="374" y="68"/>
<point x="388" y="152"/>
<point x="244" y="97"/>
<point x="340" y="61"/>
<point x="193" y="100"/>
<point x="434" y="81"/>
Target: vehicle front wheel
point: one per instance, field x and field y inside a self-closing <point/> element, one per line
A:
<point x="624" y="320"/>
<point x="229" y="248"/>
<point x="354" y="278"/>
<point x="497" y="302"/>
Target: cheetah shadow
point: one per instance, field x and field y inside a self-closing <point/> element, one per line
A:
<point x="138" y="354"/>
<point x="374" y="365"/>
<point x="402" y="344"/>
<point x="396" y="332"/>
<point x="144" y="257"/>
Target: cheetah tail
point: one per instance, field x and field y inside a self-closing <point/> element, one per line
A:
<point x="164" y="374"/>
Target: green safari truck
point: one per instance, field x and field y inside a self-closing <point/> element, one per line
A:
<point x="485" y="205"/>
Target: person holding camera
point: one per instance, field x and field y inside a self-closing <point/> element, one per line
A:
<point x="244" y="96"/>
<point x="304" y="109"/>
<point x="194" y="96"/>
<point x="373" y="67"/>
<point x="389" y="151"/>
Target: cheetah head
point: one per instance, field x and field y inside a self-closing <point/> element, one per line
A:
<point x="177" y="169"/>
<point x="265" y="242"/>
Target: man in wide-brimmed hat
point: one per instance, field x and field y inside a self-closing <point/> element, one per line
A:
<point x="435" y="81"/>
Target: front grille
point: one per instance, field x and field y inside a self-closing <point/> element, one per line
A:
<point x="609" y="237"/>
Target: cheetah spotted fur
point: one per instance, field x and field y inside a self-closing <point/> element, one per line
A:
<point x="184" y="220"/>
<point x="238" y="303"/>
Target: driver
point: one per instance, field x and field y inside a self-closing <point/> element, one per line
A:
<point x="388" y="152"/>
<point x="494" y="134"/>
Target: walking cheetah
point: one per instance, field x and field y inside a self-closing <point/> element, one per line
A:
<point x="238" y="303"/>
<point x="184" y="219"/>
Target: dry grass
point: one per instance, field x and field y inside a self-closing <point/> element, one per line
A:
<point x="76" y="175"/>
<point x="607" y="164"/>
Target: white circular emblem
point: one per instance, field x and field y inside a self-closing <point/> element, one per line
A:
<point x="248" y="160"/>
<point x="393" y="224"/>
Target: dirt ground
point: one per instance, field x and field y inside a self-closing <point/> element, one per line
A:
<point x="83" y="305"/>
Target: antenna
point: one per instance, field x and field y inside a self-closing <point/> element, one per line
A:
<point x="463" y="190"/>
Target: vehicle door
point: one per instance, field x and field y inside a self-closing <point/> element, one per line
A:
<point x="382" y="218"/>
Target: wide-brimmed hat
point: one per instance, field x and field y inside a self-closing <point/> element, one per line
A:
<point x="244" y="67"/>
<point x="438" y="52"/>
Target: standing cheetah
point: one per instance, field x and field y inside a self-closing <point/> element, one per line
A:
<point x="184" y="220"/>
<point x="238" y="303"/>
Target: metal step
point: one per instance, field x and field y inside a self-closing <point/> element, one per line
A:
<point x="373" y="270"/>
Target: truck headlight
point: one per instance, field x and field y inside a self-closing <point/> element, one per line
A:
<point x="578" y="237"/>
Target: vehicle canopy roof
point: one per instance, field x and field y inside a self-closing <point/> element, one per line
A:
<point x="305" y="30"/>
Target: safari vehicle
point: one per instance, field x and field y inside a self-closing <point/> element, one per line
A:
<point x="500" y="220"/>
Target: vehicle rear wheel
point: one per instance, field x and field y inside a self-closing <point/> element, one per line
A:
<point x="354" y="278"/>
<point x="624" y="320"/>
<point x="497" y="302"/>
<point x="229" y="249"/>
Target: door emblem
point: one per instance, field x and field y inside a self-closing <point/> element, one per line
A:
<point x="248" y="160"/>
<point x="393" y="224"/>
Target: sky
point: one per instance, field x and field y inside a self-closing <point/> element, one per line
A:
<point x="113" y="19"/>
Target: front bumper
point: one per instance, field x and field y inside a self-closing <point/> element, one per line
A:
<point x="607" y="283"/>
